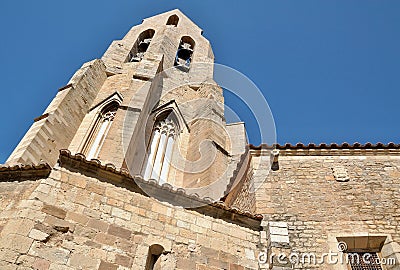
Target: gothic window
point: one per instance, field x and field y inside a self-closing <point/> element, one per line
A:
<point x="159" y="151"/>
<point x="153" y="258"/>
<point x="141" y="45"/>
<point x="99" y="131"/>
<point x="173" y="20"/>
<point x="184" y="54"/>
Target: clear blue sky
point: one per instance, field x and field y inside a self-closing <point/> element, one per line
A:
<point x="328" y="69"/>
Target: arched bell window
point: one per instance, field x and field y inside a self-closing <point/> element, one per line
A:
<point x="184" y="54"/>
<point x="141" y="45"/>
<point x="160" y="150"/>
<point x="100" y="130"/>
<point x="173" y="20"/>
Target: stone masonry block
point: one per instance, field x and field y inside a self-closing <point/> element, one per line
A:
<point x="390" y="248"/>
<point x="80" y="261"/>
<point x="123" y="260"/>
<point x="107" y="266"/>
<point x="55" y="266"/>
<point x="119" y="232"/>
<point x="59" y="224"/>
<point x="278" y="231"/>
<point x="233" y="266"/>
<point x="38" y="235"/>
<point x="117" y="212"/>
<point x="16" y="242"/>
<point x="79" y="218"/>
<point x="54" y="211"/>
<point x="201" y="221"/>
<point x="19" y="226"/>
<point x="105" y="239"/>
<point x="41" y="264"/>
<point x="278" y="224"/>
<point x="8" y="255"/>
<point x="96" y="188"/>
<point x="77" y="181"/>
<point x="53" y="254"/>
<point x="98" y="225"/>
<point x="284" y="239"/>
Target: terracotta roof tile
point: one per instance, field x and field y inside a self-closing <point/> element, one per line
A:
<point x="22" y="172"/>
<point x="344" y="145"/>
<point x="78" y="161"/>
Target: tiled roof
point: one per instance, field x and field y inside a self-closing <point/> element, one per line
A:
<point x="344" y="149"/>
<point x="165" y="191"/>
<point x="21" y="172"/>
<point x="345" y="145"/>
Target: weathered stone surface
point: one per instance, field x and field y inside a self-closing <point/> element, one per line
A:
<point x="41" y="264"/>
<point x="15" y="242"/>
<point x="79" y="218"/>
<point x="119" y="213"/>
<point x="64" y="116"/>
<point x="98" y="225"/>
<point x="38" y="235"/>
<point x="119" y="232"/>
<point x="79" y="261"/>
<point x="18" y="226"/>
<point x="59" y="224"/>
<point x="8" y="255"/>
<point x="317" y="209"/>
<point x="54" y="211"/>
<point x="123" y="260"/>
<point x="107" y="266"/>
<point x="91" y="216"/>
<point x="8" y="266"/>
<point x="53" y="254"/>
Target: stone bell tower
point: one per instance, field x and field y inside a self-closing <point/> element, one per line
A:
<point x="132" y="166"/>
<point x="149" y="105"/>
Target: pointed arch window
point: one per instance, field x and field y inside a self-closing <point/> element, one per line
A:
<point x="141" y="45"/>
<point x="184" y="54"/>
<point x="160" y="149"/>
<point x="100" y="130"/>
<point x="173" y="20"/>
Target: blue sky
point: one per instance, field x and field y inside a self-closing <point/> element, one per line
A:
<point x="328" y="69"/>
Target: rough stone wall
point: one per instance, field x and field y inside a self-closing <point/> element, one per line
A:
<point x="317" y="208"/>
<point x="206" y="161"/>
<point x="61" y="120"/>
<point x="206" y="149"/>
<point x="71" y="221"/>
<point x="246" y="199"/>
<point x="11" y="194"/>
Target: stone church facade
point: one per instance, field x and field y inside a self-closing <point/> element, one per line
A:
<point x="133" y="166"/>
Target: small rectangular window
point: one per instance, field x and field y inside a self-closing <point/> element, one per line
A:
<point x="364" y="261"/>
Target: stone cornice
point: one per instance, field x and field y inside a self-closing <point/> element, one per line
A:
<point x="333" y="149"/>
<point x="21" y="172"/>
